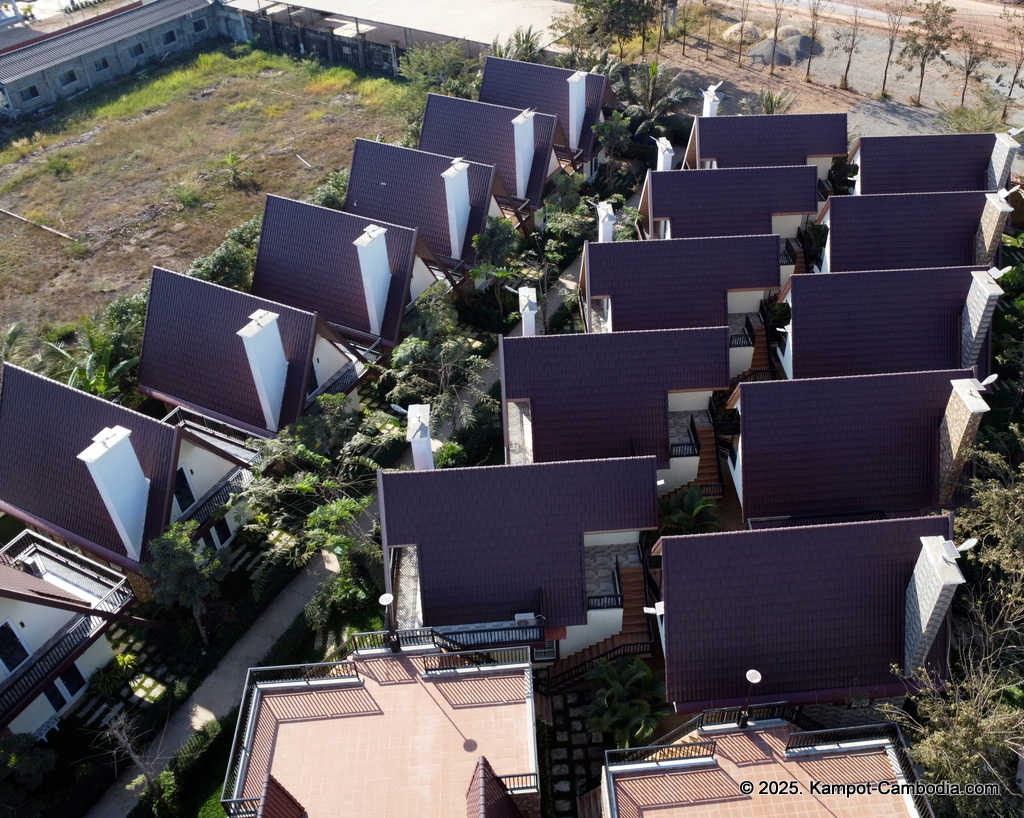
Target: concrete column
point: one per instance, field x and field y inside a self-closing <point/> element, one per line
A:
<point x="605" y="222"/>
<point x="418" y="434"/>
<point x="711" y="100"/>
<point x="528" y="309"/>
<point x="990" y="231"/>
<point x="977" y="316"/>
<point x="929" y="595"/>
<point x="1003" y="154"/>
<point x="956" y="433"/>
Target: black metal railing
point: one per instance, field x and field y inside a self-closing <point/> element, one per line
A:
<point x="216" y="498"/>
<point x="444" y="662"/>
<point x="603" y="602"/>
<point x="186" y="417"/>
<point x="661" y="752"/>
<point x="242" y="807"/>
<point x="512" y="635"/>
<point x="825" y="190"/>
<point x="551" y="683"/>
<point x="71" y="567"/>
<point x="728" y="449"/>
<point x="758" y="712"/>
<point x="787" y="252"/>
<point x="520" y="782"/>
<point x="689" y="448"/>
<point x="713" y="489"/>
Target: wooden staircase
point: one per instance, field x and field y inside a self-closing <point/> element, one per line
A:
<point x="760" y="360"/>
<point x="800" y="265"/>
<point x="707" y="466"/>
<point x="588" y="805"/>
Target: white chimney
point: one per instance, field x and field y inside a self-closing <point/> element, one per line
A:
<point x="1003" y="153"/>
<point x="605" y="222"/>
<point x="119" y="478"/>
<point x="528" y="309"/>
<point x="665" y="153"/>
<point x="456" y="194"/>
<point x="929" y="596"/>
<point x="265" y="351"/>
<point x="523" y="129"/>
<point x="977" y="315"/>
<point x="956" y="433"/>
<point x="417" y="432"/>
<point x="577" y="107"/>
<point x="376" y="270"/>
<point x="711" y="101"/>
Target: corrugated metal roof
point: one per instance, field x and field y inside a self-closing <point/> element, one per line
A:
<point x="932" y="163"/>
<point x="678" y="283"/>
<point x="83" y="41"/>
<point x="606" y="394"/>
<point x="307" y="259"/>
<point x="813" y="609"/>
<point x="491" y="540"/>
<point x="764" y="141"/>
<point x="192" y="355"/>
<point x="870" y="323"/>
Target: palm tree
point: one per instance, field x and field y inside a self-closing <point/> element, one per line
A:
<point x="15" y="343"/>
<point x="688" y="513"/>
<point x="651" y="95"/>
<point x="99" y="360"/>
<point x="629" y="701"/>
<point x="524" y="45"/>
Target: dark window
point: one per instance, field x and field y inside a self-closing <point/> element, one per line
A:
<point x="56" y="699"/>
<point x="12" y="652"/>
<point x="68" y="77"/>
<point x="208" y="541"/>
<point x="136" y="50"/>
<point x="313" y="384"/>
<point x="199" y="25"/>
<point x="72" y="679"/>
<point x="29" y="93"/>
<point x="183" y="490"/>
<point x="102" y="64"/>
<point x="169" y="37"/>
<point x="223" y="530"/>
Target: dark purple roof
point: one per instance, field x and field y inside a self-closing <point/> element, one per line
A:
<point x="814" y="609"/>
<point x="193" y="357"/>
<point x="606" y="394"/>
<point x="931" y="163"/>
<point x="487" y="796"/>
<point x="898" y="231"/>
<point x="730" y="202"/>
<point x="396" y="185"/>
<point x="545" y="88"/>
<point x="18" y="583"/>
<point x="876" y="322"/>
<point x="678" y="283"/>
<point x="484" y="133"/>
<point x="44" y="425"/>
<point x="861" y="443"/>
<point x="766" y="141"/>
<point x="489" y="538"/>
<point x="307" y="260"/>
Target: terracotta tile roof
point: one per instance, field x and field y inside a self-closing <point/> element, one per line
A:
<point x="44" y="425"/>
<point x="730" y="202"/>
<point x="404" y="186"/>
<point x="484" y="133"/>
<point x="766" y="141"/>
<point x="814" y="609"/>
<point x="489" y="537"/>
<point x="192" y="356"/>
<point x="875" y="322"/>
<point x="487" y="796"/>
<point x="545" y="88"/>
<point x="307" y="260"/>
<point x="685" y="281"/>
<point x="918" y="163"/>
<point x="826" y="445"/>
<point x="606" y="394"/>
<point x="897" y="231"/>
<point x="278" y="802"/>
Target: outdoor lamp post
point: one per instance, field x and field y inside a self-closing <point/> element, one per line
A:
<point x="388" y="601"/>
<point x="753" y="677"/>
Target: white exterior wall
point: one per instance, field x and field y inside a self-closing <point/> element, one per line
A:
<point x="680" y="471"/>
<point x="688" y="401"/>
<point x="41" y="623"/>
<point x="204" y="468"/>
<point x="737" y="471"/>
<point x="328" y="360"/>
<point x="612" y="538"/>
<point x="855" y="160"/>
<point x="740" y="359"/>
<point x="600" y="625"/>
<point x="421" y="279"/>
<point x="786" y="226"/>
<point x="744" y="301"/>
<point x="822" y="163"/>
<point x="785" y="271"/>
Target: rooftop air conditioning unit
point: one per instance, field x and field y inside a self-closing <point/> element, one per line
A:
<point x="524" y="620"/>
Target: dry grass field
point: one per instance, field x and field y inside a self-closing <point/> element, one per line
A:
<point x="153" y="172"/>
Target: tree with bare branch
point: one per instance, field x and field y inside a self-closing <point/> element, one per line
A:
<point x="970" y="53"/>
<point x="743" y="6"/>
<point x="895" y="14"/>
<point x="848" y="38"/>
<point x="683" y="7"/>
<point x="709" y="7"/>
<point x="925" y="39"/>
<point x="1014" y="25"/>
<point x="778" y="10"/>
<point x="820" y="11"/>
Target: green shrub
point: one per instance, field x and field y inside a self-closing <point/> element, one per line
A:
<point x="58" y="164"/>
<point x="450" y="455"/>
<point x="187" y="194"/>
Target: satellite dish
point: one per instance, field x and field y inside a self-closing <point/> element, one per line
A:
<point x="991" y="379"/>
<point x="650" y="610"/>
<point x="754" y="676"/>
<point x="967" y="545"/>
<point x="1006" y="194"/>
<point x="386" y="599"/>
<point x="782" y="329"/>
<point x="997" y="274"/>
<point x="1016" y="131"/>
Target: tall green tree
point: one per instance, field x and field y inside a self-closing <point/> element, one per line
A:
<point x="616" y="21"/>
<point x="185" y="573"/>
<point x="651" y="93"/>
<point x="925" y="39"/>
<point x="1013" y="25"/>
<point x="687" y="513"/>
<point x="498" y="243"/>
<point x="970" y="52"/>
<point x="524" y="45"/>
<point x="629" y="701"/>
<point x="441" y="68"/>
<point x="895" y="14"/>
<point x="23" y="764"/>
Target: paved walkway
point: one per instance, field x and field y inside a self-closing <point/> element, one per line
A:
<point x="221" y="691"/>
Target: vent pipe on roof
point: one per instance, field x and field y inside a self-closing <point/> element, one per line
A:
<point x="376" y="270"/>
<point x="417" y="432"/>
<point x="577" y="107"/>
<point x="977" y="315"/>
<point x="269" y="365"/>
<point x="929" y="595"/>
<point x="665" y="153"/>
<point x="118" y="475"/>
<point x="711" y="100"/>
<point x="528" y="309"/>
<point x="456" y="194"/>
<point x="956" y="434"/>
<point x="605" y="222"/>
<point x="1003" y="153"/>
<point x="990" y="231"/>
<point x="523" y="131"/>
